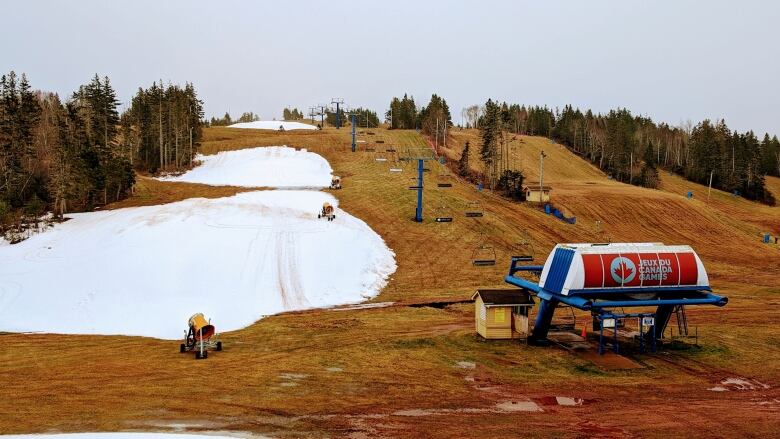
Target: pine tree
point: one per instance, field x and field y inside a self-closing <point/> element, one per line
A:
<point x="648" y="177"/>
<point x="463" y="163"/>
<point x="490" y="131"/>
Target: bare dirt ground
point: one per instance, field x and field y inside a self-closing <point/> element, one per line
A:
<point x="398" y="370"/>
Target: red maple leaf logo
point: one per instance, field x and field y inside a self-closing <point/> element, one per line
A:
<point x="623" y="271"/>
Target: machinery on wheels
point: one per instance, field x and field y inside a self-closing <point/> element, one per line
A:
<point x="328" y="211"/>
<point x="335" y="182"/>
<point x="200" y="337"/>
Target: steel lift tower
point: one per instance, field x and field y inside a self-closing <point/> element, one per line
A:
<point x="339" y="102"/>
<point x="421" y="155"/>
<point x="322" y="108"/>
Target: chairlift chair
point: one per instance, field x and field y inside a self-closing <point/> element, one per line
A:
<point x="523" y="251"/>
<point x="444" y="178"/>
<point x="483" y="255"/>
<point x="474" y="209"/>
<point x="443" y="214"/>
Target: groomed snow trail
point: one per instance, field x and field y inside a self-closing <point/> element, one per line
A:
<point x="273" y="125"/>
<point x="144" y="270"/>
<point x="273" y="166"/>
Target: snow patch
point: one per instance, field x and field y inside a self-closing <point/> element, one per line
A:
<point x="271" y="166"/>
<point x="145" y="270"/>
<point x="277" y="125"/>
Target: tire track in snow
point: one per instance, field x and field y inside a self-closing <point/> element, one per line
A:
<point x="287" y="272"/>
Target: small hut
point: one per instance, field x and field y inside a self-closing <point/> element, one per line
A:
<point x="536" y="194"/>
<point x="502" y="314"/>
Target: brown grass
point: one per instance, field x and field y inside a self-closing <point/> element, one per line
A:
<point x="149" y="192"/>
<point x="404" y="358"/>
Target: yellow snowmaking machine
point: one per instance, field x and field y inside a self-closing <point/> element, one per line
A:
<point x="335" y="182"/>
<point x="328" y="211"/>
<point x="200" y="337"/>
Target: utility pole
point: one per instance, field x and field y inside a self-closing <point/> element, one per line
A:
<point x="631" y="168"/>
<point x="709" y="188"/>
<point x="437" y="137"/>
<point x="542" y="155"/>
<point x="354" y="124"/>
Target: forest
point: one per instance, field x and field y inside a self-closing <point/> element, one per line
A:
<point x="432" y="120"/>
<point x="632" y="148"/>
<point x="80" y="154"/>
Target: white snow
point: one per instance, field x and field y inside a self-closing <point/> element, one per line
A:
<point x="272" y="166"/>
<point x="143" y="271"/>
<point x="273" y="125"/>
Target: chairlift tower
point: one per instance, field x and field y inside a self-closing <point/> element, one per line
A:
<point x="421" y="156"/>
<point x="353" y="117"/>
<point x="322" y="108"/>
<point x="338" y="102"/>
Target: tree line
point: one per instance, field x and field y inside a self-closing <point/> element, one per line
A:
<point x="293" y="114"/>
<point x="365" y="118"/>
<point x="432" y="120"/>
<point x="632" y="148"/>
<point x="75" y="155"/>
<point x="162" y="128"/>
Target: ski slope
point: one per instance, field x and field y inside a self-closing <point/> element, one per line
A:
<point x="145" y="270"/>
<point x="273" y="125"/>
<point x="111" y="435"/>
<point x="273" y="166"/>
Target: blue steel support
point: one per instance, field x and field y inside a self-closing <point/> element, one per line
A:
<point x="662" y="316"/>
<point x="707" y="299"/>
<point x="354" y="123"/>
<point x="418" y="212"/>
<point x="543" y="319"/>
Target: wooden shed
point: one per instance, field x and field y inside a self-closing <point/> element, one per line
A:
<point x="502" y="314"/>
<point x="536" y="194"/>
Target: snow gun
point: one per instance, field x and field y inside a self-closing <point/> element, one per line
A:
<point x="327" y="212"/>
<point x="200" y="337"/>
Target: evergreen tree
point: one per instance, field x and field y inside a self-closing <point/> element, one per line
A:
<point x="490" y="131"/>
<point x="649" y="174"/>
<point x="463" y="163"/>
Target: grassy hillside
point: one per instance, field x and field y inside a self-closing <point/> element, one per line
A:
<point x="400" y="370"/>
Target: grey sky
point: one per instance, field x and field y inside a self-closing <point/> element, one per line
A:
<point x="672" y="60"/>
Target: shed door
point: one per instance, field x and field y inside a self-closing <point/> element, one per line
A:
<point x="499" y="315"/>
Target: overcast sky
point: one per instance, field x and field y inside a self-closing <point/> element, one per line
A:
<point x="673" y="60"/>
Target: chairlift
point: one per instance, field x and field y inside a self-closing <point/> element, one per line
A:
<point x="483" y="255"/>
<point x="445" y="178"/>
<point x="523" y="251"/>
<point x="443" y="213"/>
<point x="474" y="209"/>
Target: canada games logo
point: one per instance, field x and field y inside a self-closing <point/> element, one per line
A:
<point x="622" y="270"/>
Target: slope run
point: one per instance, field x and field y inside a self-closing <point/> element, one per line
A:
<point x="279" y="376"/>
<point x="145" y="270"/>
<point x="729" y="243"/>
<point x="758" y="218"/>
